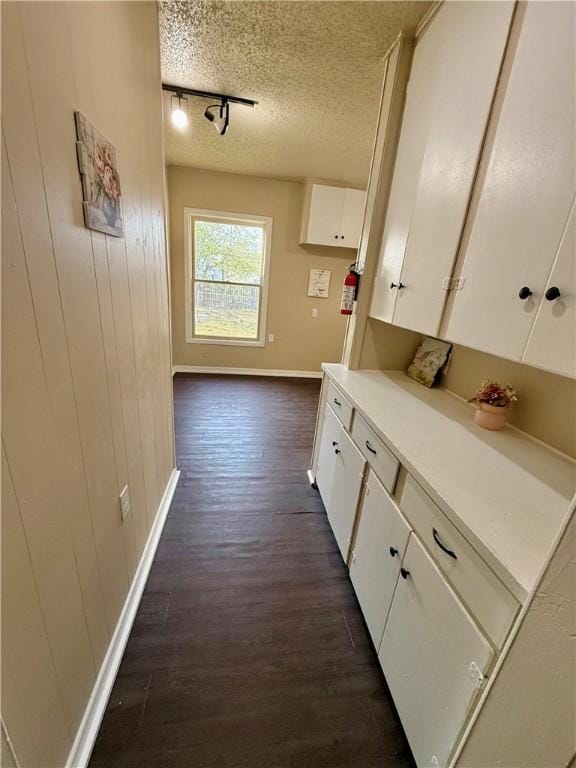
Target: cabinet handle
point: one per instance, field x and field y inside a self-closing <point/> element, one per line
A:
<point x="337" y="451"/>
<point x="370" y="447"/>
<point x="397" y="285"/>
<point x="404" y="573"/>
<point x="335" y="237"/>
<point x="552" y="293"/>
<point x="393" y="551"/>
<point x="524" y="293"/>
<point x="337" y="402"/>
<point x="341" y="237"/>
<point x="334" y="442"/>
<point x="442" y="546"/>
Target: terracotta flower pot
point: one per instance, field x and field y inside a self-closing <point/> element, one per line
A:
<point x="490" y="416"/>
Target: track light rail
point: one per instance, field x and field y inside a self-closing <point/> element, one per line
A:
<point x="180" y="91"/>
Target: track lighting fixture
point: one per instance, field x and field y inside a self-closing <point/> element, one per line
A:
<point x="221" y="121"/>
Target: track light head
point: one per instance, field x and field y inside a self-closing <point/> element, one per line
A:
<point x="179" y="116"/>
<point x="222" y="121"/>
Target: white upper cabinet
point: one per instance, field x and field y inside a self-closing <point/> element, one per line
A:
<point x="452" y="84"/>
<point x="352" y="218"/>
<point x="552" y="344"/>
<point x="325" y="215"/>
<point x="333" y="216"/>
<point x="522" y="204"/>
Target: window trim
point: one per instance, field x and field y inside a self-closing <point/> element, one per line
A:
<point x="190" y="214"/>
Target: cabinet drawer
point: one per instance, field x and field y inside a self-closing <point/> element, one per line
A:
<point x="380" y="458"/>
<point x="486" y="596"/>
<point x="342" y="407"/>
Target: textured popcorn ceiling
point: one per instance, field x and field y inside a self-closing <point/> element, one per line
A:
<point x="314" y="67"/>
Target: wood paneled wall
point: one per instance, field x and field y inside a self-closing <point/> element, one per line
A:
<point x="86" y="381"/>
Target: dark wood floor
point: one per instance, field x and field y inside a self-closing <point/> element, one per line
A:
<point x="249" y="649"/>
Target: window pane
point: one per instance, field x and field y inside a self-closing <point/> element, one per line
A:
<point x="226" y="311"/>
<point x="231" y="253"/>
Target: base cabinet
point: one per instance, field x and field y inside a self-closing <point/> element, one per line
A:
<point x="381" y="541"/>
<point x="345" y="493"/>
<point x="433" y="656"/>
<point x="326" y="456"/>
<point x="339" y="476"/>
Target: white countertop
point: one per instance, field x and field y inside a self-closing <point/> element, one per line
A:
<point x="504" y="491"/>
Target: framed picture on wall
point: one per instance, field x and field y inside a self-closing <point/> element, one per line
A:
<point x="98" y="165"/>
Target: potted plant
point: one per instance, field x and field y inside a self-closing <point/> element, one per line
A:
<point x="493" y="401"/>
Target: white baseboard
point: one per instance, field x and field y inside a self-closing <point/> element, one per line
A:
<point x="247" y="371"/>
<point x="311" y="478"/>
<point x="88" y="730"/>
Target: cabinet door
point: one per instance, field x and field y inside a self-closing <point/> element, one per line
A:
<point x="381" y="540"/>
<point x="452" y="82"/>
<point x="468" y="40"/>
<point x="525" y="190"/>
<point x="326" y="457"/>
<point x="345" y="493"/>
<point x="411" y="146"/>
<point x="352" y="218"/>
<point x="432" y="655"/>
<point x="552" y="344"/>
<point x="326" y="210"/>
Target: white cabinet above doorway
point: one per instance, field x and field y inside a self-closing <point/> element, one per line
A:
<point x="332" y="215"/>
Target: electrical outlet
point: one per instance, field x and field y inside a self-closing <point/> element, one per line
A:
<point x="270" y="337"/>
<point x="124" y="503"/>
<point x="315" y="312"/>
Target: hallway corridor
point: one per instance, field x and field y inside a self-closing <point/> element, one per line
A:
<point x="248" y="650"/>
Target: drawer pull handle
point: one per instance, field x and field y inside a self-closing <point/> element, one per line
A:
<point x="404" y="573"/>
<point x="370" y="447"/>
<point x="334" y="443"/>
<point x="337" y="402"/>
<point x="443" y="547"/>
<point x="337" y="451"/>
<point x="393" y="551"/>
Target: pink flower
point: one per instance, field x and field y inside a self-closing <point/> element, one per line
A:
<point x="100" y="161"/>
<point x="110" y="184"/>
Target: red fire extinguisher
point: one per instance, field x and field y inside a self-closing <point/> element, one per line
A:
<point x="349" y="290"/>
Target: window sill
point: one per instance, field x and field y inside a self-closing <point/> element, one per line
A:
<point x="226" y="342"/>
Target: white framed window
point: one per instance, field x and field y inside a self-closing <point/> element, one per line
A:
<point x="227" y="260"/>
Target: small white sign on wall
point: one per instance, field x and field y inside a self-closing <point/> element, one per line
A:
<point x="319" y="283"/>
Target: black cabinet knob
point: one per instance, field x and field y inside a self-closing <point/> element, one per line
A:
<point x="393" y="551"/>
<point x="334" y="442"/>
<point x="397" y="285"/>
<point x="525" y="292"/>
<point x="552" y="293"/>
<point x="404" y="573"/>
<point x="335" y="237"/>
<point x="337" y="451"/>
<point x="341" y="237"/>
